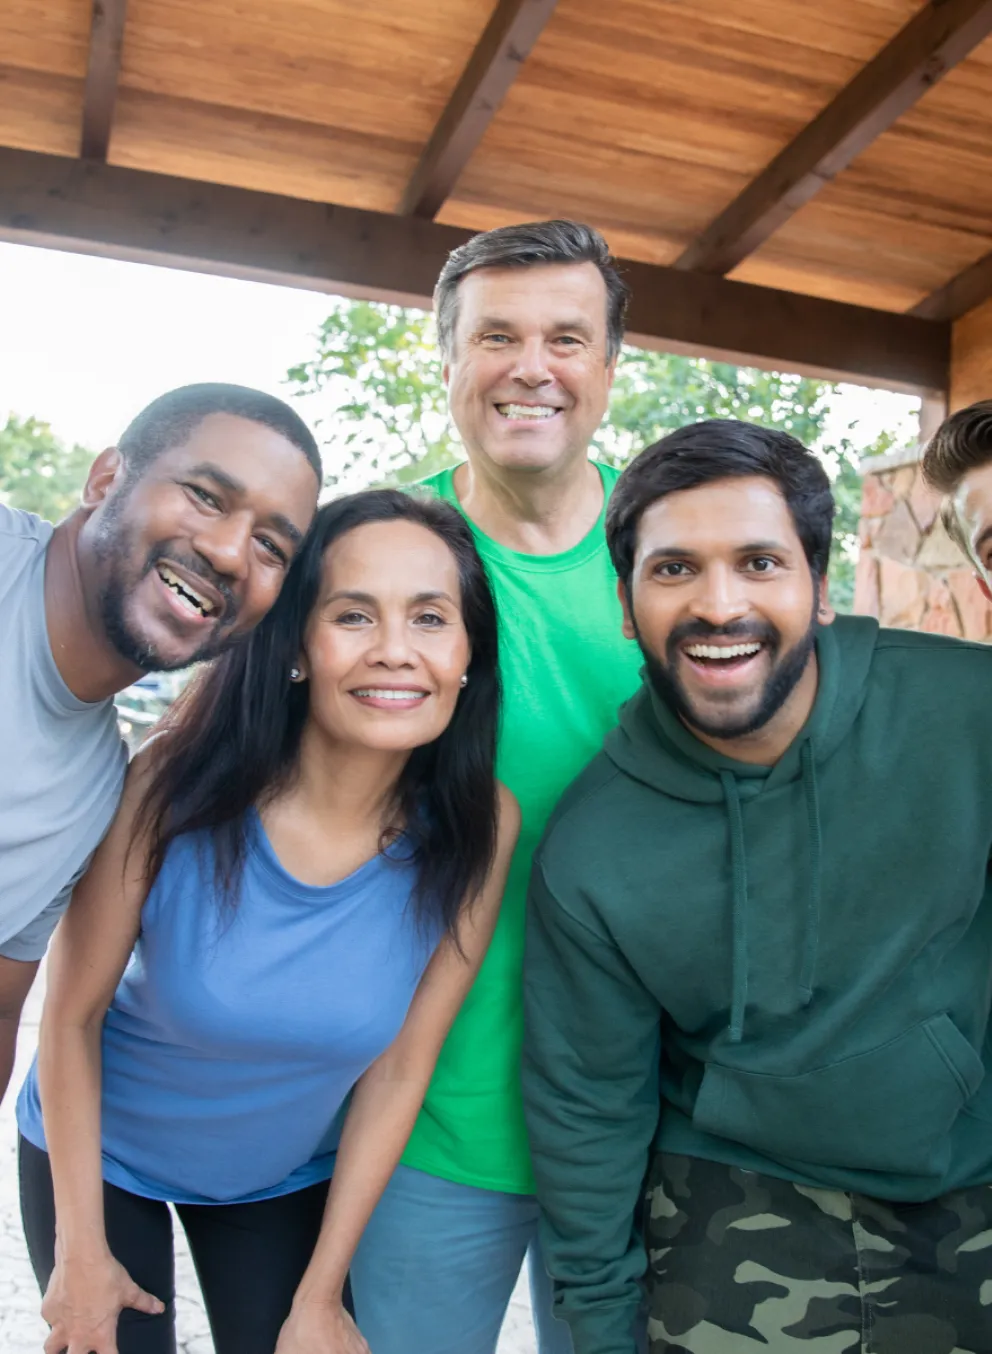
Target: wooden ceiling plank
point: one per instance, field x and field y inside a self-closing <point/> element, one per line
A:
<point x="152" y="218"/>
<point x="935" y="40"/>
<point x="505" y="44"/>
<point x="102" y="74"/>
<point x="964" y="292"/>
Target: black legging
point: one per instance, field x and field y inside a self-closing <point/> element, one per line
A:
<point x="249" y="1257"/>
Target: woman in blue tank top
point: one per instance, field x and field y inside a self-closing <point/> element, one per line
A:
<point x="252" y="984"/>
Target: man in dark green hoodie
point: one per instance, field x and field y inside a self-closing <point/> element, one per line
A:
<point x="759" y="958"/>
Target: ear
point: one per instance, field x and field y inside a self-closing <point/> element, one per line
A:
<point x="446" y="371"/>
<point x="303" y="667"/>
<point x="628" y="619"/>
<point x="983" y="586"/>
<point x="825" y="614"/>
<point x="611" y="371"/>
<point x="105" y="472"/>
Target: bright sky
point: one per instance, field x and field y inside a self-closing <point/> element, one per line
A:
<point x="86" y="342"/>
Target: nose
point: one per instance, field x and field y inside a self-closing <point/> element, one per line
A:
<point x="531" y="366"/>
<point x="720" y="596"/>
<point x="225" y="542"/>
<point x="391" y="647"/>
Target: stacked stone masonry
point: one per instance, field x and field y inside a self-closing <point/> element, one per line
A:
<point x="910" y="574"/>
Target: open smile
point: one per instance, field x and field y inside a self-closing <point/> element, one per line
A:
<point x="723" y="664"/>
<point x="189" y="599"/>
<point x="390" y="697"/>
<point x="527" y="413"/>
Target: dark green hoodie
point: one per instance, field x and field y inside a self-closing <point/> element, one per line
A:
<point x="787" y="969"/>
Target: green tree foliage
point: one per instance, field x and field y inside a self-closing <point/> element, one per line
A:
<point x="38" y="473"/>
<point x="378" y="371"/>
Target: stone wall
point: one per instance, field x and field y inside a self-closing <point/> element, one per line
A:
<point x="910" y="573"/>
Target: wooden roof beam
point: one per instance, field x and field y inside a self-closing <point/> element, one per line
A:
<point x="102" y="73"/>
<point x="964" y="292"/>
<point x="505" y="44"/>
<point x="942" y="34"/>
<point x="152" y="218"/>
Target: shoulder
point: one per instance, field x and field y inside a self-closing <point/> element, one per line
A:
<point x="942" y="648"/>
<point x="140" y="776"/>
<point x="575" y="828"/>
<point x="609" y="473"/>
<point x="509" y="818"/>
<point x="438" y="485"/>
<point x="22" y="528"/>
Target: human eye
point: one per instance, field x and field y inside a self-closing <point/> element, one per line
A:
<point x="275" y="551"/>
<point x="762" y="564"/>
<point x="352" y="618"/>
<point x="671" y="568"/>
<point x="430" y="620"/>
<point x="569" y="340"/>
<point x="498" y="340"/>
<point x="204" y="496"/>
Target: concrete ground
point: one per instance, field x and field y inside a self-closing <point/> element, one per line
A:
<point x="21" y="1329"/>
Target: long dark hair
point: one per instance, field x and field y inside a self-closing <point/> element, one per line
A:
<point x="232" y="739"/>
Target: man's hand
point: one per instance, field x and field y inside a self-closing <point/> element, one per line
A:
<point x="16" y="978"/>
<point x="84" y="1300"/>
<point x="320" y="1328"/>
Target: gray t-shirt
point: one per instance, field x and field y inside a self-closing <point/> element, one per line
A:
<point x="62" y="760"/>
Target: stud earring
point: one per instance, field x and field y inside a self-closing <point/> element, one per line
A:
<point x="295" y="674"/>
<point x="464" y="681"/>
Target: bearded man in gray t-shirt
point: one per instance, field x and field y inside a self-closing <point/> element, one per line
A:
<point x="184" y="536"/>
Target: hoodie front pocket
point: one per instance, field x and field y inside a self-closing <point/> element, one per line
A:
<point x="890" y="1109"/>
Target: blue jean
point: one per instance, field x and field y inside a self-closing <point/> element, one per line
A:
<point x="437" y="1265"/>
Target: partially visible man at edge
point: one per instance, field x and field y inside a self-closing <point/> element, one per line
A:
<point x="958" y="463"/>
<point x="760" y="946"/>
<point x="530" y="320"/>
<point x="180" y="545"/>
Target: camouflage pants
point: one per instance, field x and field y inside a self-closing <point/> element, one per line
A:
<point x="741" y="1263"/>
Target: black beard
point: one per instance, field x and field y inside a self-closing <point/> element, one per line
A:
<point x="113" y="550"/>
<point x="782" y="680"/>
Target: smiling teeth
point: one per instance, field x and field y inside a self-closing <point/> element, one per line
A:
<point x="722" y="650"/>
<point x="526" y="410"/>
<point x="385" y="693"/>
<point x="184" y="592"/>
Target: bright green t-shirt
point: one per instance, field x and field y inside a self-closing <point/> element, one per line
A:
<point x="566" y="669"/>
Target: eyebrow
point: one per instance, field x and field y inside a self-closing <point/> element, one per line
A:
<point x="347" y="595"/>
<point x="277" y="521"/>
<point x="577" y="324"/>
<point x="750" y="548"/>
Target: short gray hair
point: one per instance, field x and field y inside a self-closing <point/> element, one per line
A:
<point x="538" y="242"/>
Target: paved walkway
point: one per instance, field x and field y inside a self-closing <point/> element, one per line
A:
<point x="21" y="1329"/>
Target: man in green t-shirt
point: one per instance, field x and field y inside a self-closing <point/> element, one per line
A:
<point x="530" y="320"/>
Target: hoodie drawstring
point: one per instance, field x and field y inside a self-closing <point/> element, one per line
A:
<point x="811" y="947"/>
<point x="738" y="867"/>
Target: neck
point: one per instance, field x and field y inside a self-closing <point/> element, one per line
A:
<point x="344" y="783"/>
<point x="87" y="662"/>
<point x="535" y="512"/>
<point x="766" y="745"/>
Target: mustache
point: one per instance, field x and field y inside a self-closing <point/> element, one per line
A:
<point x="197" y="567"/>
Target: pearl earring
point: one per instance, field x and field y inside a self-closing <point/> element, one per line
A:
<point x="294" y="674"/>
<point x="464" y="681"/>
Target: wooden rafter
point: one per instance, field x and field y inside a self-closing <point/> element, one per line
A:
<point x="963" y="293"/>
<point x="505" y="44"/>
<point x="152" y="218"/>
<point x="102" y="72"/>
<point x="942" y="34"/>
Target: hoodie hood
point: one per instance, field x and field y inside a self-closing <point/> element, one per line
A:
<point x="652" y="745"/>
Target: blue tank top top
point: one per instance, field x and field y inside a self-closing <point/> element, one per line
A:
<point x="235" y="1037"/>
